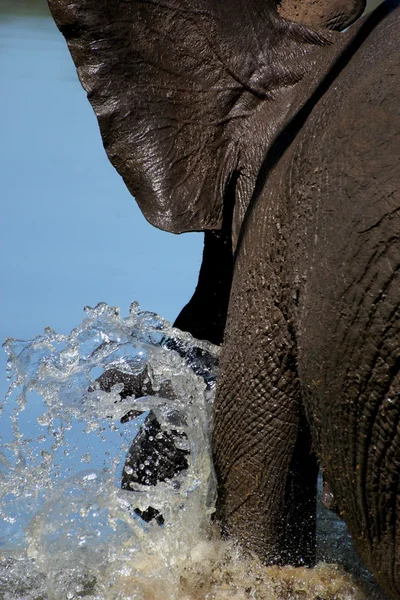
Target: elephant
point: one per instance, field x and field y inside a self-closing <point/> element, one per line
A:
<point x="260" y="124"/>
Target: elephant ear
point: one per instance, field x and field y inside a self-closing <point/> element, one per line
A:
<point x="157" y="76"/>
<point x="170" y="82"/>
<point x="333" y="14"/>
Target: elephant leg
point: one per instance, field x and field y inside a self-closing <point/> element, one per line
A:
<point x="261" y="442"/>
<point x="204" y="316"/>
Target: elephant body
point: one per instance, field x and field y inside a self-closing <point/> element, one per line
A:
<point x="282" y="142"/>
<point x="315" y="305"/>
<point x="349" y="320"/>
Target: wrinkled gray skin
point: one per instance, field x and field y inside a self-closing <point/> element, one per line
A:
<point x="336" y="14"/>
<point x="282" y="143"/>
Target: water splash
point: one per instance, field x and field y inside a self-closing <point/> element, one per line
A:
<point x="71" y="430"/>
<point x="107" y="485"/>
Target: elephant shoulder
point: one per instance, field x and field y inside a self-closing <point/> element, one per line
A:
<point x="376" y="65"/>
<point x="362" y="108"/>
<point x="365" y="77"/>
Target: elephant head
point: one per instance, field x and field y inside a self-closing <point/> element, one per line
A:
<point x="230" y="118"/>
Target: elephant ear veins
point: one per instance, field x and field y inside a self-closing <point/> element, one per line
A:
<point x="169" y="81"/>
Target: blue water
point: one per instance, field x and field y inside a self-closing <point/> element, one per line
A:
<point x="71" y="234"/>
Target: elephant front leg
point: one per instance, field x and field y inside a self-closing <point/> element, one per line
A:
<point x="262" y="446"/>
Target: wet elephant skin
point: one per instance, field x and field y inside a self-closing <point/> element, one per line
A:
<point x="255" y="122"/>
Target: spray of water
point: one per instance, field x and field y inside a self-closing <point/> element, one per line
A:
<point x="107" y="488"/>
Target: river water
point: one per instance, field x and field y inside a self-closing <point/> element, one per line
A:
<point x="67" y="529"/>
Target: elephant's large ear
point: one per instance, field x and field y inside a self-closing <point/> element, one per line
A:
<point x="167" y="78"/>
<point x="333" y="14"/>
